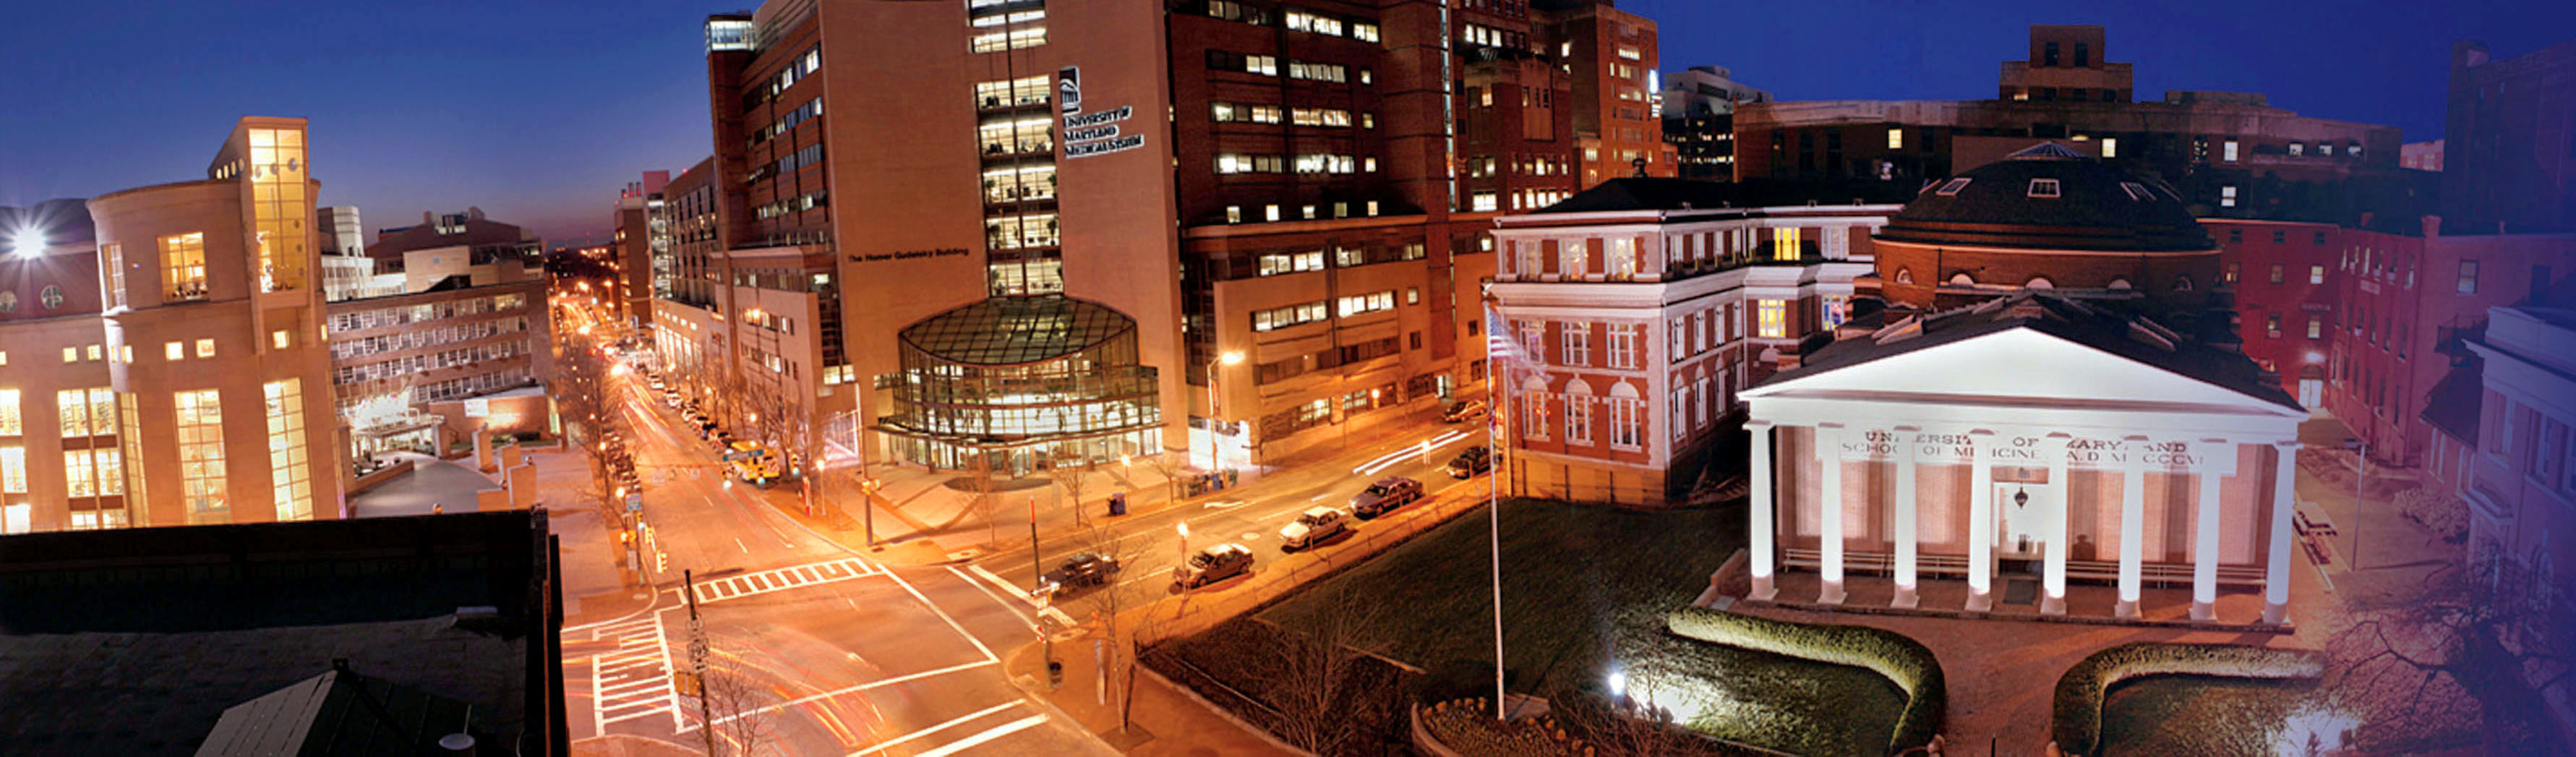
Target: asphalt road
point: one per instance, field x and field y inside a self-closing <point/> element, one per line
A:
<point x="1151" y="544"/>
<point x="833" y="653"/>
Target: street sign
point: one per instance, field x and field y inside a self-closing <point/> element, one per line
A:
<point x="635" y="503"/>
<point x="687" y="684"/>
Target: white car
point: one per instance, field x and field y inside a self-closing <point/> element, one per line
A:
<point x="1313" y="527"/>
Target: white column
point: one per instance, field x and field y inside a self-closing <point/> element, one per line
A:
<point x="2204" y="537"/>
<point x="1761" y="529"/>
<point x="2276" y="572"/>
<point x="2133" y="521"/>
<point x="1981" y="523"/>
<point x="1904" y="507"/>
<point x="2052" y="577"/>
<point x="1829" y="438"/>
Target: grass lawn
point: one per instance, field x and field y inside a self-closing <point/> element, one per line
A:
<point x="1587" y="587"/>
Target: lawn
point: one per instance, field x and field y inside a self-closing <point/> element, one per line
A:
<point x="1585" y="591"/>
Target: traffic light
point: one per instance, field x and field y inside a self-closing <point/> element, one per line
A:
<point x="661" y="561"/>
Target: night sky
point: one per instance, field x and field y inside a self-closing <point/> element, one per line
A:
<point x="539" y="111"/>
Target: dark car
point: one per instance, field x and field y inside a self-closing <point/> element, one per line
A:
<point x="1387" y="494"/>
<point x="1472" y="461"/>
<point x="1086" y="569"/>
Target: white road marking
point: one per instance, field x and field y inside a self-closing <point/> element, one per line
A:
<point x="782" y="579"/>
<point x="737" y="541"/>
<point x="882" y="746"/>
<point x="943" y="616"/>
<point x="1007" y="588"/>
<point x="997" y="598"/>
<point x="869" y="686"/>
<point x="995" y="732"/>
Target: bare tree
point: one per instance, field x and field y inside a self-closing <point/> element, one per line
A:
<point x="1326" y="703"/>
<point x="1071" y="475"/>
<point x="1636" y="722"/>
<point x="1102" y="606"/>
<point x="2431" y="669"/>
<point x="1170" y="465"/>
<point x="740" y="710"/>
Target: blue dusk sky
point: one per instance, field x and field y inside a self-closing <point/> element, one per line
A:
<point x="538" y="111"/>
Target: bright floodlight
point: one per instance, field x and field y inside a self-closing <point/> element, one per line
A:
<point x="28" y="242"/>
<point x="1231" y="358"/>
<point x="1618" y="683"/>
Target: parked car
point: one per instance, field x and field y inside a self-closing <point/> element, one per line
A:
<point x="1462" y="412"/>
<point x="1213" y="564"/>
<point x="1313" y="527"/>
<point x="1473" y="460"/>
<point x="1086" y="569"/>
<point x="1387" y="494"/>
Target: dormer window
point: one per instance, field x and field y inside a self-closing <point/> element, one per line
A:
<point x="2137" y="191"/>
<point x="1952" y="187"/>
<point x="2043" y="187"/>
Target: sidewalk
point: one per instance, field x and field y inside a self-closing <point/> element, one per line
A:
<point x="1166" y="720"/>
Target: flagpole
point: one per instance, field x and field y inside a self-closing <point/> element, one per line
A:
<point x="1494" y="506"/>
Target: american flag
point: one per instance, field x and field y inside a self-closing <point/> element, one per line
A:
<point x="1502" y="345"/>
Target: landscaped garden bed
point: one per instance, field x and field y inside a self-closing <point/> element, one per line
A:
<point x="1902" y="662"/>
<point x="2079" y="724"/>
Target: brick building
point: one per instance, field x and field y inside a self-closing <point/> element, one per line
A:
<point x="1322" y="184"/>
<point x="2227" y="154"/>
<point x="2283" y="275"/>
<point x="1644" y="288"/>
<point x="2509" y="142"/>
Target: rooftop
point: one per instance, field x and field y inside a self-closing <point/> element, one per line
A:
<point x="1016" y="330"/>
<point x="2049" y="197"/>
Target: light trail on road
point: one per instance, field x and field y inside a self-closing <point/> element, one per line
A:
<point x="1392" y="459"/>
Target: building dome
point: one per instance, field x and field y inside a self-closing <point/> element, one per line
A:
<point x="1016" y="330"/>
<point x="2049" y="197"/>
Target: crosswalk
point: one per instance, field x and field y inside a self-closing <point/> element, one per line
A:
<point x="782" y="579"/>
<point x="631" y="676"/>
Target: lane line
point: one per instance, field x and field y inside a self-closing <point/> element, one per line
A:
<point x="995" y="732"/>
<point x="1007" y="588"/>
<point x="882" y="746"/>
<point x="864" y="687"/>
<point x="997" y="599"/>
<point x="943" y="616"/>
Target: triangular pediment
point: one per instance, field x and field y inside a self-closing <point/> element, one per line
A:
<point x="2019" y="366"/>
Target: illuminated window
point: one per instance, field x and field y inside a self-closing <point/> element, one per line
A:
<point x="183" y="267"/>
<point x="279" y="209"/>
<point x="71" y="354"/>
<point x="2227" y="151"/>
<point x="1895" y="138"/>
<point x="1771" y="319"/>
<point x="9" y="423"/>
<point x="115" y="255"/>
<point x="1623" y="344"/>
<point x="94" y="352"/>
<point x="201" y="449"/>
<point x="86" y="412"/>
<point x="2316" y="274"/>
<point x="277" y="339"/>
<point x="1577" y="346"/>
<point x="1784" y="244"/>
<point x="1627" y="432"/>
<point x="2043" y="188"/>
<point x="174" y="351"/>
<point x="206" y="347"/>
<point x="2227" y="193"/>
<point x="132" y="435"/>
<point x="2110" y="147"/>
<point x="289" y="473"/>
<point x="13" y="470"/>
<point x="1578" y="414"/>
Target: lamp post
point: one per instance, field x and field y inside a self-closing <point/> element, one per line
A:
<point x="1216" y="419"/>
<point x="2360" y="494"/>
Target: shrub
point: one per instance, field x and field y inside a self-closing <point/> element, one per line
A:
<point x="1902" y="661"/>
<point x="2076" y="721"/>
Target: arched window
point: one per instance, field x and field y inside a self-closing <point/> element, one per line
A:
<point x="1533" y="407"/>
<point x="1627" y="419"/>
<point x="2119" y="284"/>
<point x="1905" y="276"/>
<point x="1578" y="411"/>
<point x="2038" y="282"/>
<point x="2182" y="283"/>
<point x="1962" y="279"/>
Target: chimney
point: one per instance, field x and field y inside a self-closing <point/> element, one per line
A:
<point x="2432" y="226"/>
<point x="427" y="218"/>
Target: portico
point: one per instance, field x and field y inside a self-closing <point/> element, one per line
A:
<point x="2021" y="445"/>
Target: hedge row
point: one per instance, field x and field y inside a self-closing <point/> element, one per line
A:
<point x="1467" y="726"/>
<point x="2076" y="723"/>
<point x="1902" y="661"/>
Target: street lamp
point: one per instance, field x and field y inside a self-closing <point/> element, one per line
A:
<point x="2360" y="494"/>
<point x="1184" y="529"/>
<point x="1216" y="418"/>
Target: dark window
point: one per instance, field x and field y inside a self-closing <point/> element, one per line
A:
<point x="2235" y="236"/>
<point x="2048" y="57"/>
<point x="2280" y="237"/>
<point x="2083" y="54"/>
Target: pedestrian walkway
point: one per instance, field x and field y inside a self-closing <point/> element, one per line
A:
<point x="432" y="484"/>
<point x="782" y="579"/>
<point x="631" y="675"/>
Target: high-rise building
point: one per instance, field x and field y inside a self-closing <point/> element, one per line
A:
<point x="643" y="237"/>
<point x="478" y="239"/>
<point x="2508" y="148"/>
<point x="1289" y="203"/>
<point x="340" y="230"/>
<point x="1613" y="56"/>
<point x="2228" y="154"/>
<point x="1699" y="120"/>
<point x="210" y="403"/>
